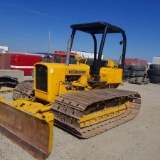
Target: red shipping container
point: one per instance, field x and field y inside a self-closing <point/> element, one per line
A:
<point x="60" y="57"/>
<point x="135" y="61"/>
<point x="24" y="62"/>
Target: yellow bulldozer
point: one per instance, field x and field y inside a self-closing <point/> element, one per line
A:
<point x="81" y="98"/>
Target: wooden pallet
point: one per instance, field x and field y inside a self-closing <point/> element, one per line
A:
<point x="6" y="89"/>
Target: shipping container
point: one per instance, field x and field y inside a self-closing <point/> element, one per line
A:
<point x="24" y="62"/>
<point x="136" y="61"/>
<point x="5" y="60"/>
<point x="4" y="49"/>
<point x="60" y="57"/>
<point x="85" y="54"/>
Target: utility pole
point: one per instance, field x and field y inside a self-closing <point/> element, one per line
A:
<point x="49" y="42"/>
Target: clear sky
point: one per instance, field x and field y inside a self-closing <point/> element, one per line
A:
<point x="25" y="24"/>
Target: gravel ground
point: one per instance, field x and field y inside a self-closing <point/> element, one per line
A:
<point x="134" y="140"/>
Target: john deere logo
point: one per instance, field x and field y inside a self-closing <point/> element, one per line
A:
<point x="77" y="72"/>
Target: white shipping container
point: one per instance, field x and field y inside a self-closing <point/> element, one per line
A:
<point x="4" y="48"/>
<point x="85" y="54"/>
<point x="156" y="60"/>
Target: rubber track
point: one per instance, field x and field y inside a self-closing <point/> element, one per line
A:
<point x="23" y="90"/>
<point x="69" y="108"/>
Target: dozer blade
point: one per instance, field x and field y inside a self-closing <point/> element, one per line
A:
<point x="28" y="126"/>
<point x="88" y="113"/>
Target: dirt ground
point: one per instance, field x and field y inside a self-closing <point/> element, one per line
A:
<point x="135" y="140"/>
